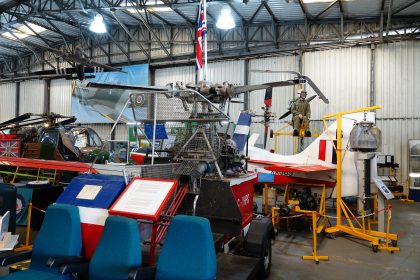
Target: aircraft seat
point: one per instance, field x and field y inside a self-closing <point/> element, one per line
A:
<point x="188" y="251"/>
<point x="58" y="241"/>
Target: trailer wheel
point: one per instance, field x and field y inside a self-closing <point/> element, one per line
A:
<point x="265" y="262"/>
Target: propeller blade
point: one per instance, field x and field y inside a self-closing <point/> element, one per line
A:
<point x="268" y="96"/>
<point x="17" y="119"/>
<point x="311" y="98"/>
<point x="285" y="114"/>
<point x="289" y="111"/>
<point x="316" y="89"/>
<point x="265" y="134"/>
<point x="276" y="71"/>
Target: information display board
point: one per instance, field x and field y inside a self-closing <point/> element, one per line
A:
<point x="144" y="198"/>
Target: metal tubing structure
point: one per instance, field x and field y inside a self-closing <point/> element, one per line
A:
<point x="361" y="232"/>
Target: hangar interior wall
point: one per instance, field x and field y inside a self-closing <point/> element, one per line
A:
<point x="350" y="77"/>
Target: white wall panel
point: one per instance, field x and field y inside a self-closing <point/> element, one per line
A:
<point x="233" y="73"/>
<point x="343" y="75"/>
<point x="102" y="129"/>
<point x="121" y="132"/>
<point x="397" y="79"/>
<point x="60" y="97"/>
<point x="184" y="74"/>
<point x="31" y="99"/>
<point x="281" y="97"/>
<point x="7" y="101"/>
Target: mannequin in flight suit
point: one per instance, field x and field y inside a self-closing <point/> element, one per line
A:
<point x="301" y="110"/>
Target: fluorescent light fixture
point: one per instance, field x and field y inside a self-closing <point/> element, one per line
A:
<point x="24" y="31"/>
<point x="225" y="20"/>
<point x="98" y="25"/>
<point x="414" y="175"/>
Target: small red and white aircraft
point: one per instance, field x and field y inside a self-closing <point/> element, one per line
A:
<point x="317" y="163"/>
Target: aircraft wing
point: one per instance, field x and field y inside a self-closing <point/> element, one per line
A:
<point x="292" y="167"/>
<point x="45" y="164"/>
<point x="298" y="168"/>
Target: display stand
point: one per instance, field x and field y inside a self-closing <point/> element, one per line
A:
<point x="145" y="199"/>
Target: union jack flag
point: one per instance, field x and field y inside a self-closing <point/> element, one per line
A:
<point x="201" y="35"/>
<point x="9" y="148"/>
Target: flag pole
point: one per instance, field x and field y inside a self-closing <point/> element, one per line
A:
<point x="205" y="42"/>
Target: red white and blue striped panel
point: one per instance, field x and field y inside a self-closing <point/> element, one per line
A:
<point x="327" y="152"/>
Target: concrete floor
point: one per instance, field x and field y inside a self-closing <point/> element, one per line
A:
<point x="351" y="258"/>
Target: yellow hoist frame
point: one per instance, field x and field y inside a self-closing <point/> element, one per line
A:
<point x="358" y="230"/>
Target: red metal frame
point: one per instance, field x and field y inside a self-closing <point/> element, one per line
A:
<point x="46" y="164"/>
<point x="171" y="211"/>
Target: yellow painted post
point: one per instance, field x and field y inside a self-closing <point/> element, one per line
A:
<point x="339" y="143"/>
<point x="266" y="198"/>
<point x="276" y="144"/>
<point x="15" y="175"/>
<point x="314" y="232"/>
<point x="315" y="256"/>
<point x="28" y="226"/>
<point x="37" y="175"/>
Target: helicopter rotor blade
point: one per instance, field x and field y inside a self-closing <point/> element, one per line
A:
<point x="17" y="119"/>
<point x="68" y="121"/>
<point x="276" y="71"/>
<point x="316" y="89"/>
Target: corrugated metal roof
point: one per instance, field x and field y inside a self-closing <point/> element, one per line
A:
<point x="184" y="12"/>
<point x="286" y="11"/>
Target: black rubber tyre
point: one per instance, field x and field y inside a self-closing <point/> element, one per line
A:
<point x="394" y="243"/>
<point x="375" y="248"/>
<point x="265" y="262"/>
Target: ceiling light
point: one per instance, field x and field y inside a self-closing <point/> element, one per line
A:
<point x="225" y="20"/>
<point x="98" y="25"/>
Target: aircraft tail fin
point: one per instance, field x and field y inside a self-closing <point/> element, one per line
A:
<point x="253" y="139"/>
<point x="241" y="132"/>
